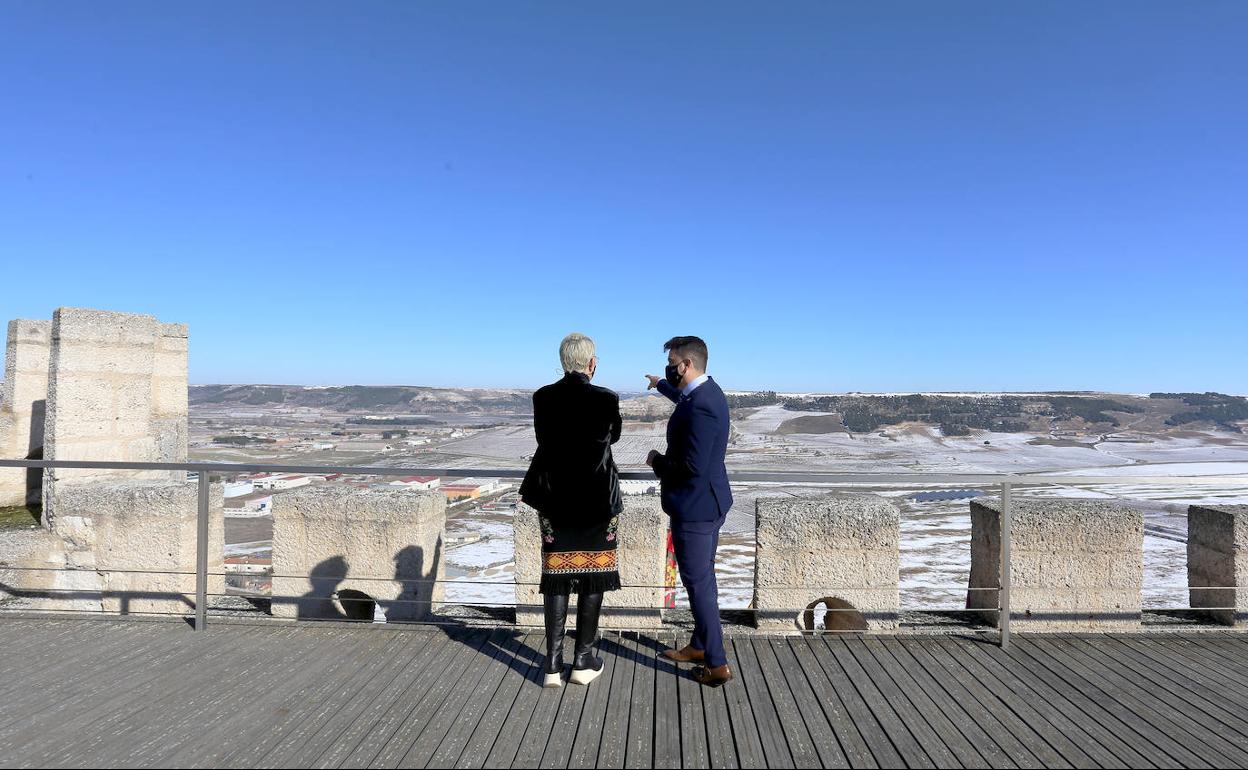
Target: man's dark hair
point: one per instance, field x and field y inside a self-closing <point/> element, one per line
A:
<point x="692" y="348"/>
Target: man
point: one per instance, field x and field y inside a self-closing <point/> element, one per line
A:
<point x="695" y="494"/>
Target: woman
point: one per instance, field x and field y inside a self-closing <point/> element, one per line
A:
<point x="575" y="488"/>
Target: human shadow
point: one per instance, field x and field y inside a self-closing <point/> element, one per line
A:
<point x="34" y="451"/>
<point x="504" y="645"/>
<point x="318" y="603"/>
<point x="417" y="583"/>
<point x="647" y="652"/>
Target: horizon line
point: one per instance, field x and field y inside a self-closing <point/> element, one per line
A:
<point x="919" y="392"/>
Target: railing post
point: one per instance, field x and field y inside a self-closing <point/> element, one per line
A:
<point x="201" y="557"/>
<point x="1003" y="617"/>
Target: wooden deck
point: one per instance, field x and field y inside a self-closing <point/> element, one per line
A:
<point x="112" y="693"/>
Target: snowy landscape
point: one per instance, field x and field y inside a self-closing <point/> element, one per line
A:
<point x="459" y="431"/>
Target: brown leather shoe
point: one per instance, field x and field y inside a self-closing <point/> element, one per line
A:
<point x="686" y="654"/>
<point x="712" y="677"/>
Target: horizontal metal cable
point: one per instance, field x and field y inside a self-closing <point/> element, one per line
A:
<point x="762" y="476"/>
<point x="721" y="582"/>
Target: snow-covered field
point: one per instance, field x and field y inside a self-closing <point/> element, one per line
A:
<point x="935" y="535"/>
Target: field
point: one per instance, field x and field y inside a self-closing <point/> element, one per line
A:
<point x="935" y="533"/>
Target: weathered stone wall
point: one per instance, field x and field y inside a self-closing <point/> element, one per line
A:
<point x="1077" y="565"/>
<point x="26" y="556"/>
<point x="332" y="541"/>
<point x="1217" y="560"/>
<point x="840" y="547"/>
<point x="22" y="404"/>
<point x="642" y="546"/>
<point x="126" y="547"/>
<point x="116" y="391"/>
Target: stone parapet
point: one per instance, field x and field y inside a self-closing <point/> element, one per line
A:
<point x="838" y="550"/>
<point x="1217" y="561"/>
<point x="130" y="547"/>
<point x="1077" y="565"/>
<point x="339" y="550"/>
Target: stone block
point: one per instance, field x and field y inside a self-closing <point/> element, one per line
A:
<point x="642" y="555"/>
<point x="1076" y="565"/>
<point x="27" y="557"/>
<point x="105" y="327"/>
<point x="23" y="401"/>
<point x="338" y="550"/>
<point x="105" y="401"/>
<point x="842" y="548"/>
<point x="135" y="546"/>
<point x="1217" y="561"/>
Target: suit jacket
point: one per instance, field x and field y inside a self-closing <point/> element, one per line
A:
<point x="694" y="479"/>
<point x="573" y="477"/>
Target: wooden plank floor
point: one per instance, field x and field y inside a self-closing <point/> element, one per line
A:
<point x="77" y="693"/>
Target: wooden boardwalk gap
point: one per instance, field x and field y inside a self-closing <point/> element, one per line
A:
<point x="142" y="694"/>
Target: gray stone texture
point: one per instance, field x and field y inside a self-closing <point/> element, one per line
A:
<point x="23" y="399"/>
<point x="1077" y="565"/>
<point x="334" y="540"/>
<point x="117" y="391"/>
<point x="1217" y="560"/>
<point x="27" y="555"/>
<point x="826" y="547"/>
<point x="127" y="547"/>
<point x="642" y="557"/>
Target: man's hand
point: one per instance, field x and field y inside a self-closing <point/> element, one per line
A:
<point x="654" y="381"/>
<point x="650" y="457"/>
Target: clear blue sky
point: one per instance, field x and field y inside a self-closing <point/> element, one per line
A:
<point x="836" y="196"/>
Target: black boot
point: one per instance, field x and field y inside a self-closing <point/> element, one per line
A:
<point x="586" y="666"/>
<point x="556" y="618"/>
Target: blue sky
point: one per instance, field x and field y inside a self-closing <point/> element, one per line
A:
<point x="883" y="196"/>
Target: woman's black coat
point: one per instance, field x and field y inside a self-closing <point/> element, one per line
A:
<point x="573" y="477"/>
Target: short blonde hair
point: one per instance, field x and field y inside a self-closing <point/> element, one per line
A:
<point x="575" y="353"/>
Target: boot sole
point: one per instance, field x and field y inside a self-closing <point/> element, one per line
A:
<point x="553" y="682"/>
<point x="585" y="676"/>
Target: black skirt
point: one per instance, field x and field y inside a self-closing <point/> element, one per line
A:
<point x="579" y="558"/>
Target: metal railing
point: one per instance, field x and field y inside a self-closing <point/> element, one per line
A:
<point x="1006" y="482"/>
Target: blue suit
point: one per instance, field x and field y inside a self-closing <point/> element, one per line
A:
<point x="696" y="495"/>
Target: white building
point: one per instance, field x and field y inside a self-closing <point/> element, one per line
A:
<point x="483" y="486"/>
<point x="417" y="482"/>
<point x="277" y="481"/>
<point x="239" y="488"/>
<point x="254" y="504"/>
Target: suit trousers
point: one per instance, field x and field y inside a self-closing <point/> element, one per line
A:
<point x="695" y="543"/>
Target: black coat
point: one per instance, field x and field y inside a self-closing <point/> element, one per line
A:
<point x="573" y="477"/>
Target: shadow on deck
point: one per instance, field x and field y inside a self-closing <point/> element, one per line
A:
<point x="115" y="693"/>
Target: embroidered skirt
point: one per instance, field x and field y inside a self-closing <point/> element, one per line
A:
<point x="579" y="558"/>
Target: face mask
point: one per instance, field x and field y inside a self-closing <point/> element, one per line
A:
<point x="672" y="375"/>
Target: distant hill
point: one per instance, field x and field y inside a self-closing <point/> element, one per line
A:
<point x="956" y="414"/>
<point x="650" y="407"/>
<point x="380" y="399"/>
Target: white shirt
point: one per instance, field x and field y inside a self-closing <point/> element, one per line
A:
<point x="692" y="386"/>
